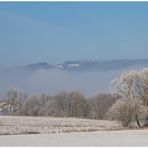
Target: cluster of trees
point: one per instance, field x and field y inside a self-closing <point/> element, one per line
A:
<point x="132" y="86"/>
<point x="63" y="104"/>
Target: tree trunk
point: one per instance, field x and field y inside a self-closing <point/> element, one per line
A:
<point x="146" y="119"/>
<point x="138" y="122"/>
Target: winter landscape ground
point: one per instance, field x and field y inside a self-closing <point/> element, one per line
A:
<point x="49" y="131"/>
<point x="11" y="125"/>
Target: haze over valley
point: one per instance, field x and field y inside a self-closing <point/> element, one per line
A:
<point x="89" y="77"/>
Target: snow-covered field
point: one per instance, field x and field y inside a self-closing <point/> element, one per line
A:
<point x="44" y="125"/>
<point x="67" y="132"/>
<point x="98" y="138"/>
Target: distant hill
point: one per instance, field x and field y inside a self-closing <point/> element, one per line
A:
<point x="85" y="65"/>
<point x="36" y="66"/>
<point x="103" y="65"/>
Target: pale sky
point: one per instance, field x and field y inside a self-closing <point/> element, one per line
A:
<point x="54" y="32"/>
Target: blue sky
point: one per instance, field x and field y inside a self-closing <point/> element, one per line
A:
<point x="55" y="32"/>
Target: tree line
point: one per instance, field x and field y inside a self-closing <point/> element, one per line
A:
<point x="63" y="104"/>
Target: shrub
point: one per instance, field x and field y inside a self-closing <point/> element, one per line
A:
<point x="127" y="110"/>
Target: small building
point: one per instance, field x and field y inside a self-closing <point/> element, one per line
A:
<point x="5" y="108"/>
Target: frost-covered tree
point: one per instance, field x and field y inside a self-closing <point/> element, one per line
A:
<point x="125" y="84"/>
<point x="142" y="89"/>
<point x="30" y="105"/>
<point x="71" y="104"/>
<point x="15" y="97"/>
<point x="127" y="111"/>
<point x="100" y="104"/>
<point x="132" y="85"/>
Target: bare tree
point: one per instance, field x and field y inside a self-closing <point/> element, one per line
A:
<point x="100" y="104"/>
<point x="71" y="104"/>
<point x="78" y="104"/>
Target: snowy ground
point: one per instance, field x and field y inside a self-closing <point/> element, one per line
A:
<point x="66" y="132"/>
<point x="44" y="125"/>
<point x="99" y="138"/>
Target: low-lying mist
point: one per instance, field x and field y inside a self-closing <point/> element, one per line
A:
<point x="53" y="81"/>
